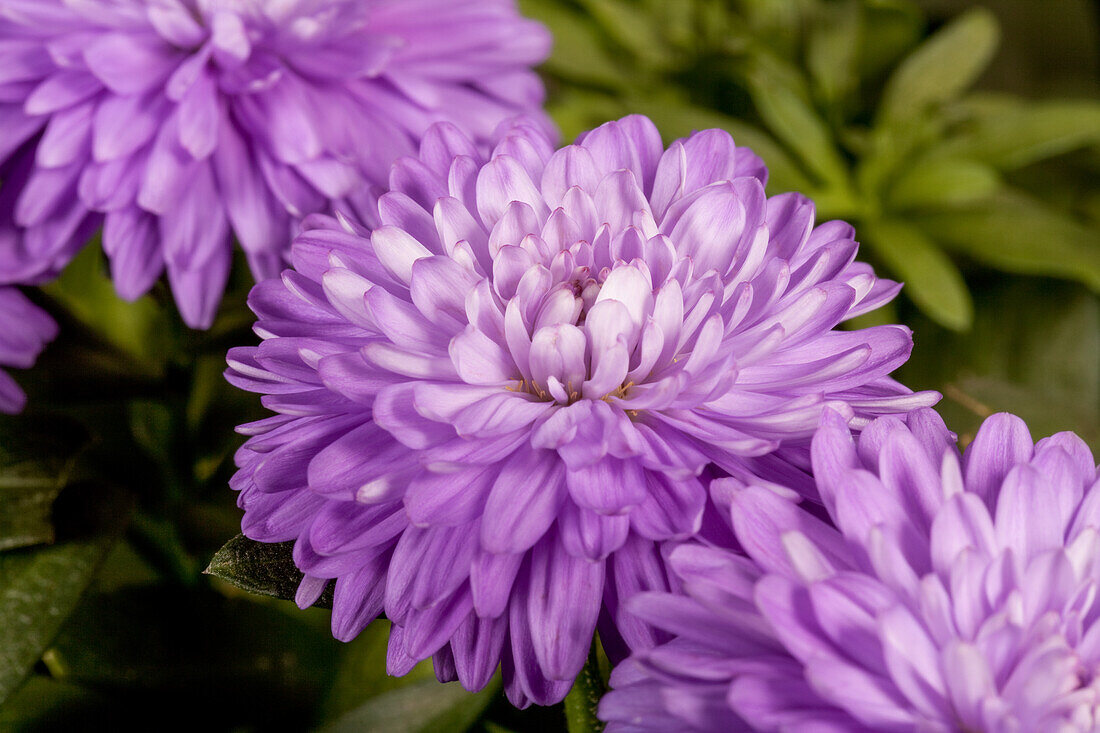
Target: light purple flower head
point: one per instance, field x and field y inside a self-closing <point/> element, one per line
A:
<point x="176" y="123"/>
<point x="494" y="407"/>
<point x="24" y="332"/>
<point x="946" y="594"/>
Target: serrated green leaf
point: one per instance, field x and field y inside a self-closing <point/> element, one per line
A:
<point x="1016" y="233"/>
<point x="266" y="569"/>
<point x="931" y="280"/>
<point x="423" y="707"/>
<point x="1016" y="133"/>
<point x="40" y="587"/>
<point x="934" y="181"/>
<point x="942" y="67"/>
<point x="36" y="455"/>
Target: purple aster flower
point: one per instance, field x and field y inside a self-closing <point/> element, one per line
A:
<point x="176" y="123"/>
<point x="947" y="594"/>
<point x="24" y="332"/>
<point x="493" y="408"/>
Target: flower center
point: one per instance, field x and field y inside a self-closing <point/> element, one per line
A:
<point x="582" y="334"/>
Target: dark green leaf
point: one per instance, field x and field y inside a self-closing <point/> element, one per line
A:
<point x="266" y="569"/>
<point x="239" y="656"/>
<point x="942" y="67"/>
<point x="364" y="697"/>
<point x="422" y="707"/>
<point x="361" y="672"/>
<point x="43" y="704"/>
<point x="1019" y="234"/>
<point x="39" y="587"/>
<point x="139" y="329"/>
<point x="198" y="635"/>
<point x="36" y="455"/>
<point x="931" y="280"/>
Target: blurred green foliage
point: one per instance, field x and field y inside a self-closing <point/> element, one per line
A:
<point x="963" y="142"/>
<point x="867" y="109"/>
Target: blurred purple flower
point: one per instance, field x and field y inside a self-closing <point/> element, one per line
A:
<point x="955" y="595"/>
<point x="493" y="408"/>
<point x="175" y="123"/>
<point x="24" y="332"/>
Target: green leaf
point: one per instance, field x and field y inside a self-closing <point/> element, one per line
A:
<point x="891" y="28"/>
<point x="40" y="587"/>
<point x="942" y="67"/>
<point x="361" y="672"/>
<point x="832" y="47"/>
<point x="243" y="656"/>
<point x="583" y="700"/>
<point x="1012" y="133"/>
<point x="783" y="103"/>
<point x="890" y="148"/>
<point x="578" y="52"/>
<point x="423" y="707"/>
<point x="934" y="182"/>
<point x="634" y="31"/>
<point x="43" y="704"/>
<point x="139" y="329"/>
<point x="931" y="280"/>
<point x="36" y="456"/>
<point x="364" y="697"/>
<point x="198" y="635"/>
<point x="266" y="569"/>
<point x="1016" y="233"/>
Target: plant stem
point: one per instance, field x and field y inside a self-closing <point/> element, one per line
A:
<point x="584" y="698"/>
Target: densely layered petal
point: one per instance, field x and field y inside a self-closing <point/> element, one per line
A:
<point x="534" y="368"/>
<point x="941" y="594"/>
<point x="180" y="125"/>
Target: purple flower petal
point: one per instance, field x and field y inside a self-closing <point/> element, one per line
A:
<point x="558" y="365"/>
